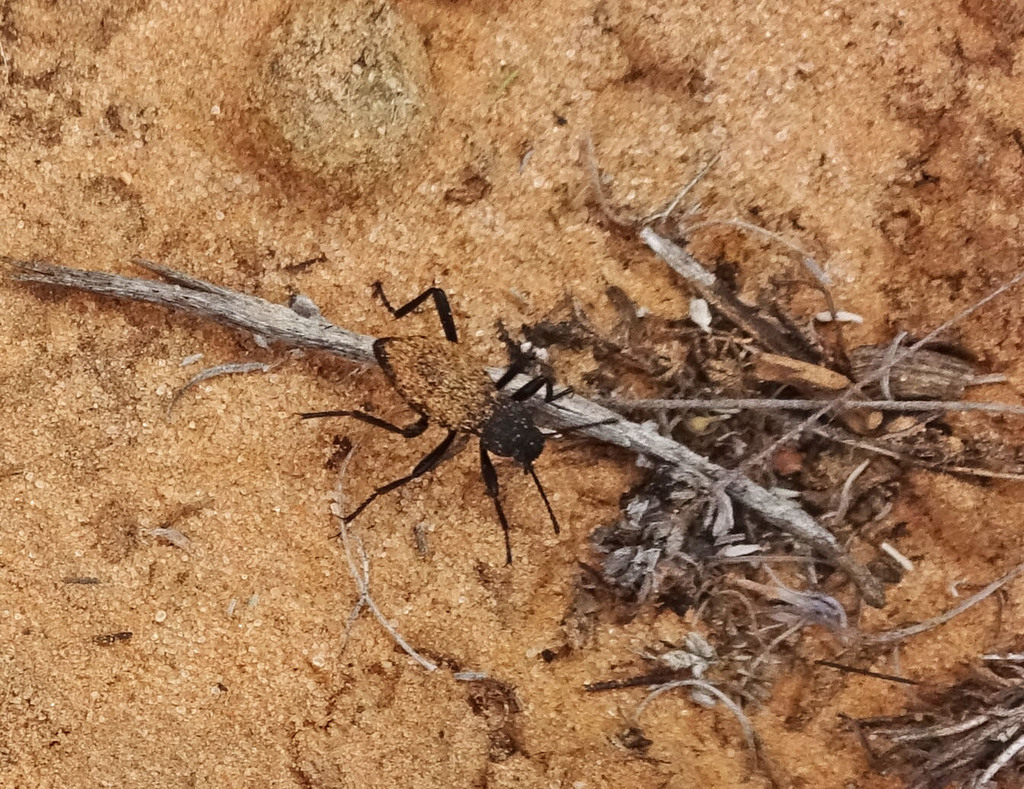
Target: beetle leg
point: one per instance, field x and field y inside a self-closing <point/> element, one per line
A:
<point x="409" y="431"/>
<point x="543" y="495"/>
<point x="426" y="465"/>
<point x="490" y="476"/>
<point x="530" y="388"/>
<point x="444" y="309"/>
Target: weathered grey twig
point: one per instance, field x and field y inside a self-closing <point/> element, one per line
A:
<point x="277" y="323"/>
<point x="182" y="292"/>
<point x="790" y="404"/>
<point x="999" y="763"/>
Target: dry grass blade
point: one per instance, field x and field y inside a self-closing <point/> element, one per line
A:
<point x="899" y="634"/>
<point x="361" y="575"/>
<point x="748" y="728"/>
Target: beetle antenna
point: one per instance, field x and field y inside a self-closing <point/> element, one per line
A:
<point x="543" y="495"/>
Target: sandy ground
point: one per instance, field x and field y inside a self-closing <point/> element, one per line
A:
<point x="888" y="142"/>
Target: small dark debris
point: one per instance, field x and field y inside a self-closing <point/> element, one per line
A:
<point x="112" y="116"/>
<point x="473" y="188"/>
<point x="112" y="638"/>
<point x="497" y="704"/>
<point x="302" y="265"/>
<point x="419" y="533"/>
<point x="1018" y="139"/>
<point x="634" y="739"/>
<point x="342" y="446"/>
<point x="641" y="681"/>
<point x="886" y="570"/>
<point x="83" y="580"/>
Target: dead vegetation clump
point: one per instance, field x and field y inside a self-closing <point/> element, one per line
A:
<point x="771" y="392"/>
<point x="969" y="734"/>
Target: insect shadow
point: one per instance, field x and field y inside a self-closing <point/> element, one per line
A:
<point x="446" y="386"/>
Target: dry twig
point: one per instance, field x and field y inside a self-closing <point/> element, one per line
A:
<point x="901" y="633"/>
<point x="792" y="404"/>
<point x="748" y="729"/>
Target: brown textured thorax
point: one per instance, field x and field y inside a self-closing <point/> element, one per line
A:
<point x="439" y="380"/>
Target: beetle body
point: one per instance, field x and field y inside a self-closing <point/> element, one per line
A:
<point x="447" y="386"/>
<point x="439" y="380"/>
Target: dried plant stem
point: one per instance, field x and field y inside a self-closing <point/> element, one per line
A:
<point x="766" y="652"/>
<point x="771" y="404"/>
<point x="214" y="372"/>
<point x="182" y="292"/>
<point x="892" y="636"/>
<point x="748" y="729"/>
<point x="361" y="575"/>
<point x="1000" y="762"/>
<point x="846" y="495"/>
<point x="590" y="164"/>
<point x="866" y="672"/>
<point x="868" y="446"/>
<point x="903" y="734"/>
<point x="277" y="323"/>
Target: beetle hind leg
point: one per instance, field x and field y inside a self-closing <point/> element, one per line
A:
<point x="437" y="455"/>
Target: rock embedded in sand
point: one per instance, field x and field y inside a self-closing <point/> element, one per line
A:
<point x="345" y="91"/>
